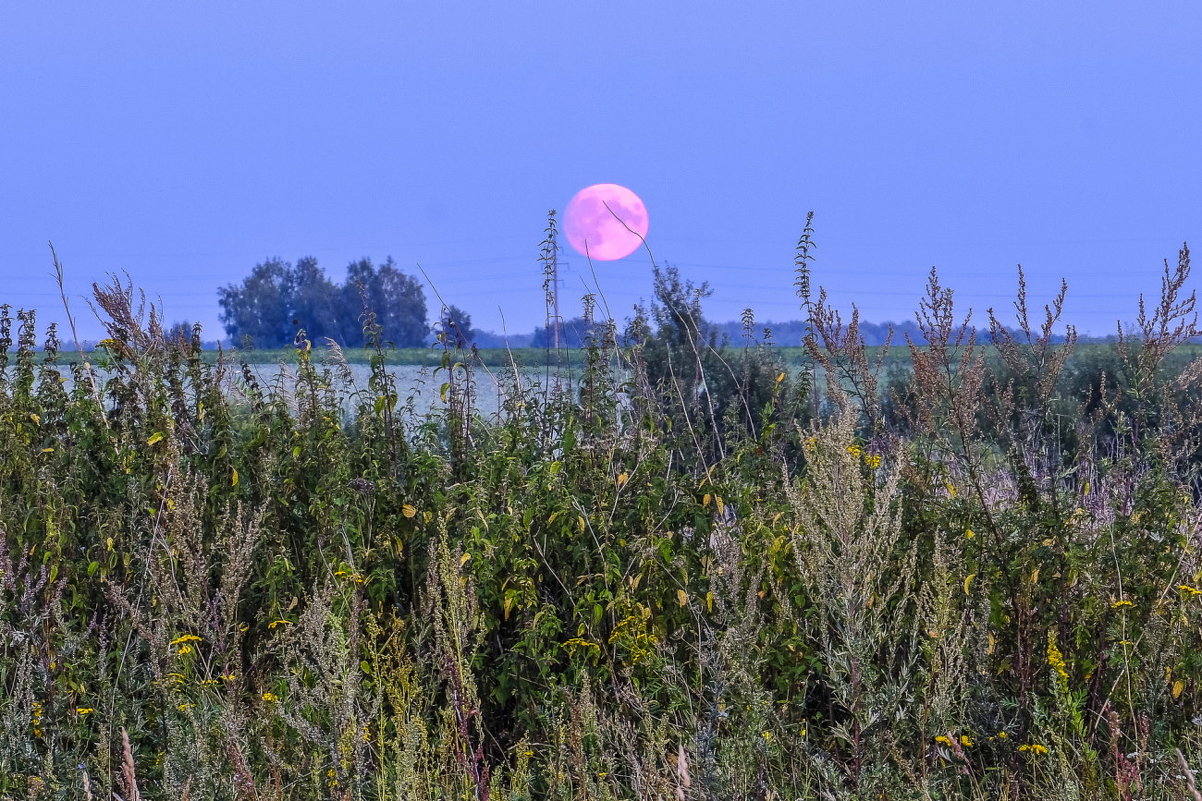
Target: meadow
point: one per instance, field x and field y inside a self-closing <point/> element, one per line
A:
<point x="958" y="570"/>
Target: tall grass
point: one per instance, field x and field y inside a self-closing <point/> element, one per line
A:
<point x="693" y="578"/>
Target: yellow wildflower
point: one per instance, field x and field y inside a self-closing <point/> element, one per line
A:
<point x="969" y="533"/>
<point x="1120" y="604"/>
<point x="1055" y="658"/>
<point x="184" y="649"/>
<point x="873" y="461"/>
<point x="186" y="638"/>
<point x="1189" y="589"/>
<point x="965" y="741"/>
<point x="275" y="623"/>
<point x="84" y="710"/>
<point x="270" y="696"/>
<point x="1033" y="748"/>
<point x="767" y="735"/>
<point x="944" y="739"/>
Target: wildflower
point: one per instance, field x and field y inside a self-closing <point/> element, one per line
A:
<point x="969" y="533"/>
<point x="965" y="741"/>
<point x="228" y="676"/>
<point x="275" y="623"/>
<point x="767" y="735"/>
<point x="84" y="710"/>
<point x="944" y="739"/>
<point x="1055" y="658"/>
<point x="1033" y="748"/>
<point x="184" y="707"/>
<point x="184" y="649"/>
<point x="579" y="642"/>
<point x="1001" y="735"/>
<point x="1189" y="589"/>
<point x="1120" y="604"/>
<point x="186" y="638"/>
<point x="873" y="461"/>
<point x="270" y="696"/>
<point x="855" y="450"/>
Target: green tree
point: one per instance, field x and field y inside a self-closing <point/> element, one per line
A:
<point x="455" y="326"/>
<point x="396" y="299"/>
<point x="259" y="312"/>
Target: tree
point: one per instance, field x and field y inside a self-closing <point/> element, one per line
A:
<point x="278" y="298"/>
<point x="316" y="301"/>
<point x="455" y="326"/>
<point x="259" y="312"/>
<point x="396" y="299"/>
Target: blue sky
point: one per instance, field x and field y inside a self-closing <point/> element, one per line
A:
<point x="185" y="142"/>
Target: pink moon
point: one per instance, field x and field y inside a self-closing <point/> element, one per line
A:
<point x="605" y="222"/>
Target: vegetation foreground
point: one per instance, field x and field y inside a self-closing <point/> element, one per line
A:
<point x="686" y="578"/>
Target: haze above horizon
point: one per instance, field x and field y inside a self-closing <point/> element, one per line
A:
<point x="186" y="143"/>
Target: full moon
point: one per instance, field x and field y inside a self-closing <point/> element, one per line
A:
<point x="605" y="222"/>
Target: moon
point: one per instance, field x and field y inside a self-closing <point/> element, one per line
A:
<point x="605" y="222"/>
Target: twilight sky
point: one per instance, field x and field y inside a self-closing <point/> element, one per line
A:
<point x="186" y="142"/>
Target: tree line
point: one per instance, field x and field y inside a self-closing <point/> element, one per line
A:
<point x="280" y="298"/>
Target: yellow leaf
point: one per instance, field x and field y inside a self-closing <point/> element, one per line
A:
<point x="968" y="582"/>
<point x="1178" y="688"/>
<point x="682" y="597"/>
<point x="623" y="478"/>
<point x="155" y="437"/>
<point x="719" y="503"/>
<point x="508" y="605"/>
<point x="780" y="378"/>
<point x="463" y="560"/>
<point x="47" y="450"/>
<point x="409" y="510"/>
<point x="709" y="602"/>
<point x="233" y="476"/>
<point x="705" y="499"/>
<point x="580" y="524"/>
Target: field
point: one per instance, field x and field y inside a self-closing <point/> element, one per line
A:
<point x="945" y="572"/>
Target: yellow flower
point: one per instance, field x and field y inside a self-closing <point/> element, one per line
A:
<point x="873" y="461"/>
<point x="186" y="638"/>
<point x="184" y="649"/>
<point x="84" y="710"/>
<point x="270" y="696"/>
<point x="965" y="741"/>
<point x="275" y="623"/>
<point x="945" y="740"/>
<point x="1033" y="748"/>
<point x="1189" y="589"/>
<point x="1055" y="658"/>
<point x="228" y="677"/>
<point x="184" y="707"/>
<point x="1119" y="604"/>
<point x="767" y="735"/>
<point x="855" y="450"/>
<point x="969" y="533"/>
<point x="1001" y="735"/>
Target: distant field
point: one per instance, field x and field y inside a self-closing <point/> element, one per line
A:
<point x="537" y="357"/>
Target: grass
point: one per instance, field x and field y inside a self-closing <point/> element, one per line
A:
<point x="974" y="576"/>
